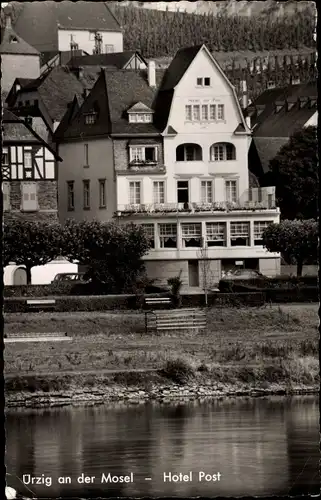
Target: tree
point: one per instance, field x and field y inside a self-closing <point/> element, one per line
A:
<point x="112" y="253"/>
<point x="297" y="241"/>
<point x="295" y="175"/>
<point x="31" y="243"/>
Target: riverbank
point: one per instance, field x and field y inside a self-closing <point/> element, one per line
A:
<point x="110" y="357"/>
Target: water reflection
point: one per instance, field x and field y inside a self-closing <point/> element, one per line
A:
<point x="259" y="446"/>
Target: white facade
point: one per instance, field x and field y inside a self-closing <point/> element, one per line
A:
<point x="112" y="41"/>
<point x="216" y="184"/>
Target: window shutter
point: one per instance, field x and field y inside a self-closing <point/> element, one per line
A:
<point x="6" y="195"/>
<point x="29" y="196"/>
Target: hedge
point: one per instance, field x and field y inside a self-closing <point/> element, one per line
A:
<point x="282" y="282"/>
<point x="298" y="294"/>
<point x="64" y="289"/>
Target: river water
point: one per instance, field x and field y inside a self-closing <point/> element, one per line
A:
<point x="252" y="446"/>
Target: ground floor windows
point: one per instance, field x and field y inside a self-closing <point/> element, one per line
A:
<point x="191" y="235"/>
<point x="216" y="234"/>
<point x="259" y="227"/>
<point x="167" y="235"/>
<point x="240" y="234"/>
<point x="184" y="235"/>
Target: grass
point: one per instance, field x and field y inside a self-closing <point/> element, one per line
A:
<point x="262" y="345"/>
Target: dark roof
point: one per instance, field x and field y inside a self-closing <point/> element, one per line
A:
<point x="283" y="123"/>
<point x="37" y="22"/>
<point x="65" y="56"/>
<point x="114" y="93"/>
<point x="16" y="129"/>
<point x="58" y="87"/>
<point x="116" y="59"/>
<point x="273" y="128"/>
<point x="178" y="66"/>
<point x="12" y="43"/>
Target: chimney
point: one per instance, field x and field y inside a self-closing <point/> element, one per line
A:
<point x="8" y="16"/>
<point x="151" y="71"/>
<point x="244" y="94"/>
<point x="248" y="121"/>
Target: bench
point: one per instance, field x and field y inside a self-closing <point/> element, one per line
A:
<point x="154" y="301"/>
<point x="35" y="336"/>
<point x="41" y="304"/>
<point x="175" y="320"/>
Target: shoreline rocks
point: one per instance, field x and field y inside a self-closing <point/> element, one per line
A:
<point x="137" y="395"/>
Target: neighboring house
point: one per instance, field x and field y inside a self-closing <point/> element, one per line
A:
<point x="171" y="154"/>
<point x="29" y="168"/>
<point x="48" y="96"/>
<point x="275" y="115"/>
<point x="18" y="58"/>
<point x="64" y="26"/>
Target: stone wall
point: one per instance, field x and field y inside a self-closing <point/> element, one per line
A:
<point x="47" y="202"/>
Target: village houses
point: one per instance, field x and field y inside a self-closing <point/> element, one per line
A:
<point x="169" y="150"/>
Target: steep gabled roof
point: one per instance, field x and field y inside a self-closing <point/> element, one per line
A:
<point x="178" y="66"/>
<point x="17" y="130"/>
<point x="37" y="22"/>
<point x="12" y="43"/>
<point x="115" y="92"/>
<point x="58" y="87"/>
<point x="116" y="59"/>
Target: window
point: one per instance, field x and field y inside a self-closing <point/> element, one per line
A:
<point x="182" y="192"/>
<point x="140" y="154"/>
<point x="192" y="235"/>
<point x="204" y="112"/>
<point x="29" y="197"/>
<point x="102" y="193"/>
<point x="27" y="102"/>
<point x="212" y="111"/>
<point x="6" y="195"/>
<point x="188" y="152"/>
<point x="5" y="157"/>
<point x="28" y="171"/>
<point x="159" y="191"/>
<point x="220" y="111"/>
<point x="150" y="233"/>
<point x="70" y="195"/>
<point x="223" y="151"/>
<point x="109" y="49"/>
<point x="188" y="112"/>
<point x="168" y="235"/>
<point x="90" y="118"/>
<point x="86" y="164"/>
<point x="206" y="191"/>
<point x="196" y="113"/>
<point x="216" y="234"/>
<point x="86" y="194"/>
<point x="259" y="227"/>
<point x="231" y="191"/>
<point x="240" y="234"/>
<point x="206" y="82"/>
<point x="140" y="117"/>
<point x="134" y="193"/>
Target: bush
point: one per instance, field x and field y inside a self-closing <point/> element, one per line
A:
<point x="178" y="370"/>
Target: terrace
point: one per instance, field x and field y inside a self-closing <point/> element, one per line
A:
<point x="253" y="199"/>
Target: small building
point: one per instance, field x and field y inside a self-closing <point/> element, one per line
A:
<point x="171" y="155"/>
<point x="18" y="58"/>
<point x="275" y="115"/>
<point x="29" y="169"/>
<point x="66" y="25"/>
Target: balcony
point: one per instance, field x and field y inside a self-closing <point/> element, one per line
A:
<point x="254" y="199"/>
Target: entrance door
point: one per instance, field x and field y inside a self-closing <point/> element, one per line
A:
<point x="20" y="276"/>
<point x="193" y="274"/>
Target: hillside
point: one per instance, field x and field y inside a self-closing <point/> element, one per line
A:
<point x="160" y="33"/>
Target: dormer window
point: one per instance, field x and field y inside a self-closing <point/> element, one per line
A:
<point x="140" y="117"/>
<point x="143" y="154"/>
<point x="90" y="118"/>
<point x="13" y="39"/>
<point x="312" y="103"/>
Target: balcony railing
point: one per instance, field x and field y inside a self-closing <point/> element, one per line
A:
<point x="251" y="200"/>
